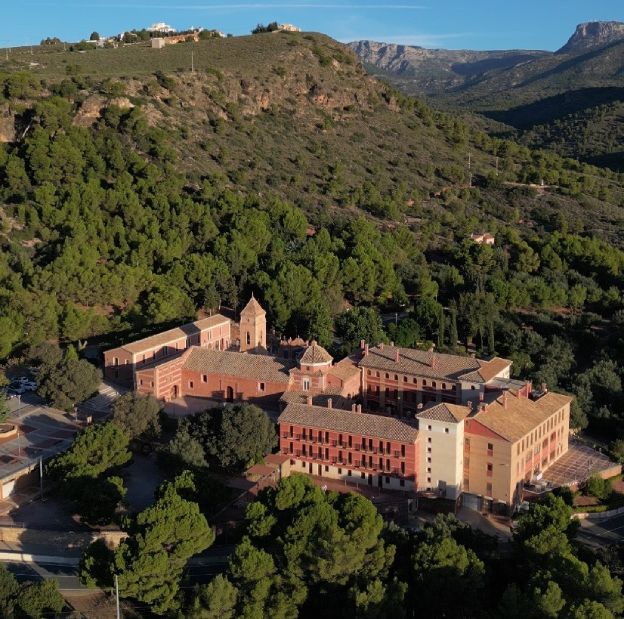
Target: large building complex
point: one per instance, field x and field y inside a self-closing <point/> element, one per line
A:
<point x="449" y="426"/>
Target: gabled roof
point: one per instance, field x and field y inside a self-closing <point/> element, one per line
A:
<point x="256" y="367"/>
<point x="450" y="413"/>
<point x="521" y="415"/>
<point x="164" y="338"/>
<point x="315" y="354"/>
<point x="431" y="364"/>
<point x="364" y="424"/>
<point x="253" y="308"/>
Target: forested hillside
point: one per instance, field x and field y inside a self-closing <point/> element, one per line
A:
<point x="134" y="193"/>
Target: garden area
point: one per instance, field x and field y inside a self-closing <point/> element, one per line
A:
<point x="596" y="495"/>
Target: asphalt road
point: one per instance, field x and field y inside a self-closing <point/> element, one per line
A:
<point x="602" y="532"/>
<point x="201" y="569"/>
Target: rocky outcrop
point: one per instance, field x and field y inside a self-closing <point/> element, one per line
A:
<point x="592" y="35"/>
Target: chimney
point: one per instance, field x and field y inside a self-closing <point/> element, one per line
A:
<point x="366" y="350"/>
<point x="330" y="403"/>
<point x="381" y="346"/>
<point x="544" y="388"/>
<point x="353" y="408"/>
<point x="392" y="344"/>
<point x="419" y="406"/>
<point x="505" y="400"/>
<point x="483" y="406"/>
<point x="481" y="396"/>
<point x="362" y="344"/>
<point x="309" y="400"/>
<point x="434" y="361"/>
<point x="397" y="356"/>
<point x="359" y="408"/>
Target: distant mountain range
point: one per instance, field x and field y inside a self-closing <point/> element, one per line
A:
<point x="551" y="99"/>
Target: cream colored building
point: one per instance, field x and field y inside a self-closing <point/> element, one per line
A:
<point x="441" y="437"/>
<point x="488" y="449"/>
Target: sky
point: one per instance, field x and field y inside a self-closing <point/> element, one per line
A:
<point x="454" y="24"/>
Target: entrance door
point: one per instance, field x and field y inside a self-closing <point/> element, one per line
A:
<point x="310" y="468"/>
<point x="380" y="481"/>
<point x="174" y="392"/>
<point x="229" y="394"/>
<point x="370" y="479"/>
<point x="320" y="470"/>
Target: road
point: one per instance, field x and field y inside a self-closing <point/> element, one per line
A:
<point x="64" y="570"/>
<point x="602" y="532"/>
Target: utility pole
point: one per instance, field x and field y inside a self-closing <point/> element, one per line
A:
<point x="117" y="597"/>
<point x="41" y="477"/>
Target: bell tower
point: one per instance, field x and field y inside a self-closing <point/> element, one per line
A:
<point x="252" y="327"/>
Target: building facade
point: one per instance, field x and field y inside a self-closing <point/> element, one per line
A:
<point x="349" y="445"/>
<point x="122" y="363"/>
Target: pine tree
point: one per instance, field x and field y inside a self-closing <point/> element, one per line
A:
<point x="453" y="334"/>
<point x="441" y="328"/>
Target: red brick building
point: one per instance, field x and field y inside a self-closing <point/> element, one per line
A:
<point x="351" y="445"/>
<point x="397" y="380"/>
<point x="120" y="364"/>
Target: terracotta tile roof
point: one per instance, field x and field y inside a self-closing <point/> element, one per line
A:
<point x="161" y="339"/>
<point x="256" y="367"/>
<point x="345" y="369"/>
<point x="488" y="370"/>
<point x="374" y="426"/>
<point x="253" y="307"/>
<point x="318" y="399"/>
<point x="521" y="416"/>
<point x="450" y="413"/>
<point x="315" y="354"/>
<point x="428" y="364"/>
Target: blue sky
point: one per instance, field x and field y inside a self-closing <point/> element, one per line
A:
<point x="474" y="24"/>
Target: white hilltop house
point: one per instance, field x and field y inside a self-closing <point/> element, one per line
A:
<point x="161" y="27"/>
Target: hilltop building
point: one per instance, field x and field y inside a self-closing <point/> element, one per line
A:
<point x="161" y="27"/>
<point x="483" y="238"/>
<point x="452" y="427"/>
<point x="288" y="28"/>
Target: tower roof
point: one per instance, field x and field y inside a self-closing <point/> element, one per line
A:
<point x="253" y="308"/>
<point x="315" y="354"/>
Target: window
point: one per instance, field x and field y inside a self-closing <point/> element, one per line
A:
<point x="387" y="480"/>
<point x="428" y="469"/>
<point x="303" y="464"/>
<point x="402" y="468"/>
<point x="190" y="384"/>
<point x="261" y="387"/>
<point x="116" y="361"/>
<point x="401" y="482"/>
<point x="424" y="383"/>
<point x="291" y="430"/>
<point x="429" y="428"/>
<point x="306" y="384"/>
<point x="326" y="468"/>
<point x="349" y="473"/>
<point x="403" y="451"/>
<point x="204" y="378"/>
<point x="429" y="440"/>
<point x="363" y="475"/>
<point x="490" y="449"/>
<point x="290" y="447"/>
<point x="429" y="460"/>
<point x="396" y="377"/>
<point x="428" y="480"/>
<point x="428" y="450"/>
<point x="377" y="374"/>
<point x="339" y="471"/>
<point x="387" y="375"/>
<point x="405" y="379"/>
<point x="446" y="430"/>
<point x="368" y="373"/>
<point x="490" y="469"/>
<point x="248" y="338"/>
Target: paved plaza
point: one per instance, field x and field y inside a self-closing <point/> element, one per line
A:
<point x="42" y="433"/>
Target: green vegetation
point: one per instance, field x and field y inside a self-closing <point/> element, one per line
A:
<point x="29" y="600"/>
<point x="84" y="471"/>
<point x="307" y="553"/>
<point x="66" y="380"/>
<point x="151" y="560"/>
<point x="234" y="438"/>
<point x="137" y="415"/>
